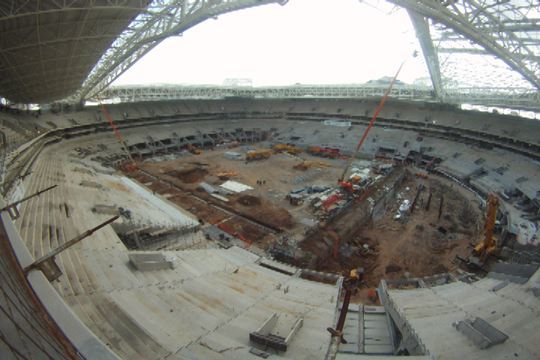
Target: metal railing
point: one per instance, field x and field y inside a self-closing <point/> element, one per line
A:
<point x="521" y="98"/>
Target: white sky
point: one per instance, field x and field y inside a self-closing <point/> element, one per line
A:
<point x="305" y="41"/>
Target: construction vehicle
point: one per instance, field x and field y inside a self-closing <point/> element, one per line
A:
<point x="421" y="175"/>
<point x="326" y="152"/>
<point x="226" y="175"/>
<point x="132" y="165"/>
<point x="305" y="165"/>
<point x="193" y="149"/>
<point x="331" y="200"/>
<point x="378" y="109"/>
<point x="295" y="199"/>
<point x="355" y="179"/>
<point x="258" y="154"/>
<point x="347" y="186"/>
<point x="383" y="169"/>
<point x="488" y="244"/>
<point x="291" y="149"/>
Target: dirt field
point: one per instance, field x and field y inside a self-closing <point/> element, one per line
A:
<point x="423" y="244"/>
<point x="272" y="179"/>
<point x="420" y="244"/>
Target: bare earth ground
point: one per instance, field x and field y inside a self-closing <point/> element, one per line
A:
<point x="422" y="245"/>
<point x="265" y="204"/>
<point x="419" y="247"/>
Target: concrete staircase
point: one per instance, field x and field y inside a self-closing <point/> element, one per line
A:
<point x="367" y="331"/>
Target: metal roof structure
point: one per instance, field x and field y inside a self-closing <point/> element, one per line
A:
<point x="54" y="49"/>
<point x="517" y="98"/>
<point x="76" y="49"/>
<point x="48" y="47"/>
<point x="478" y="42"/>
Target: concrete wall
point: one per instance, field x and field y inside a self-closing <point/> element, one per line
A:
<point x="36" y="323"/>
<point x="382" y="203"/>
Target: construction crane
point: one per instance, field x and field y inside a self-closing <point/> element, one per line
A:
<point x="372" y="122"/>
<point x="132" y="166"/>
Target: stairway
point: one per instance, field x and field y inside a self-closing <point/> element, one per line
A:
<point x="367" y="331"/>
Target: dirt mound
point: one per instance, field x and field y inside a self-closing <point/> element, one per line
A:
<point x="279" y="218"/>
<point x="189" y="175"/>
<point x="392" y="268"/>
<point x="249" y="200"/>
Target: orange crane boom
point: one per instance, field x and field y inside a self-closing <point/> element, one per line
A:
<point x="487" y="246"/>
<point x="371" y="123"/>
<point x="119" y="137"/>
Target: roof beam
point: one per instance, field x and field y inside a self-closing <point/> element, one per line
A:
<point x="518" y="98"/>
<point x="462" y="25"/>
<point x="421" y="27"/>
<point x="64" y="6"/>
<point x="172" y="19"/>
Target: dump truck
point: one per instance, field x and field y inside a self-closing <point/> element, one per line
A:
<point x="226" y="175"/>
<point x="305" y="165"/>
<point x="258" y="154"/>
<point x="291" y="149"/>
<point x="326" y="152"/>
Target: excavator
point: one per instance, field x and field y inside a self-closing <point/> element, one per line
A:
<point x="488" y="245"/>
<point x="193" y="149"/>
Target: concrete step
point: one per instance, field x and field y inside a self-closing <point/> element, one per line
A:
<point x="366" y="331"/>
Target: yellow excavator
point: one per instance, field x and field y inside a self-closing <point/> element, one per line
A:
<point x="488" y="244"/>
<point x="193" y="149"/>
